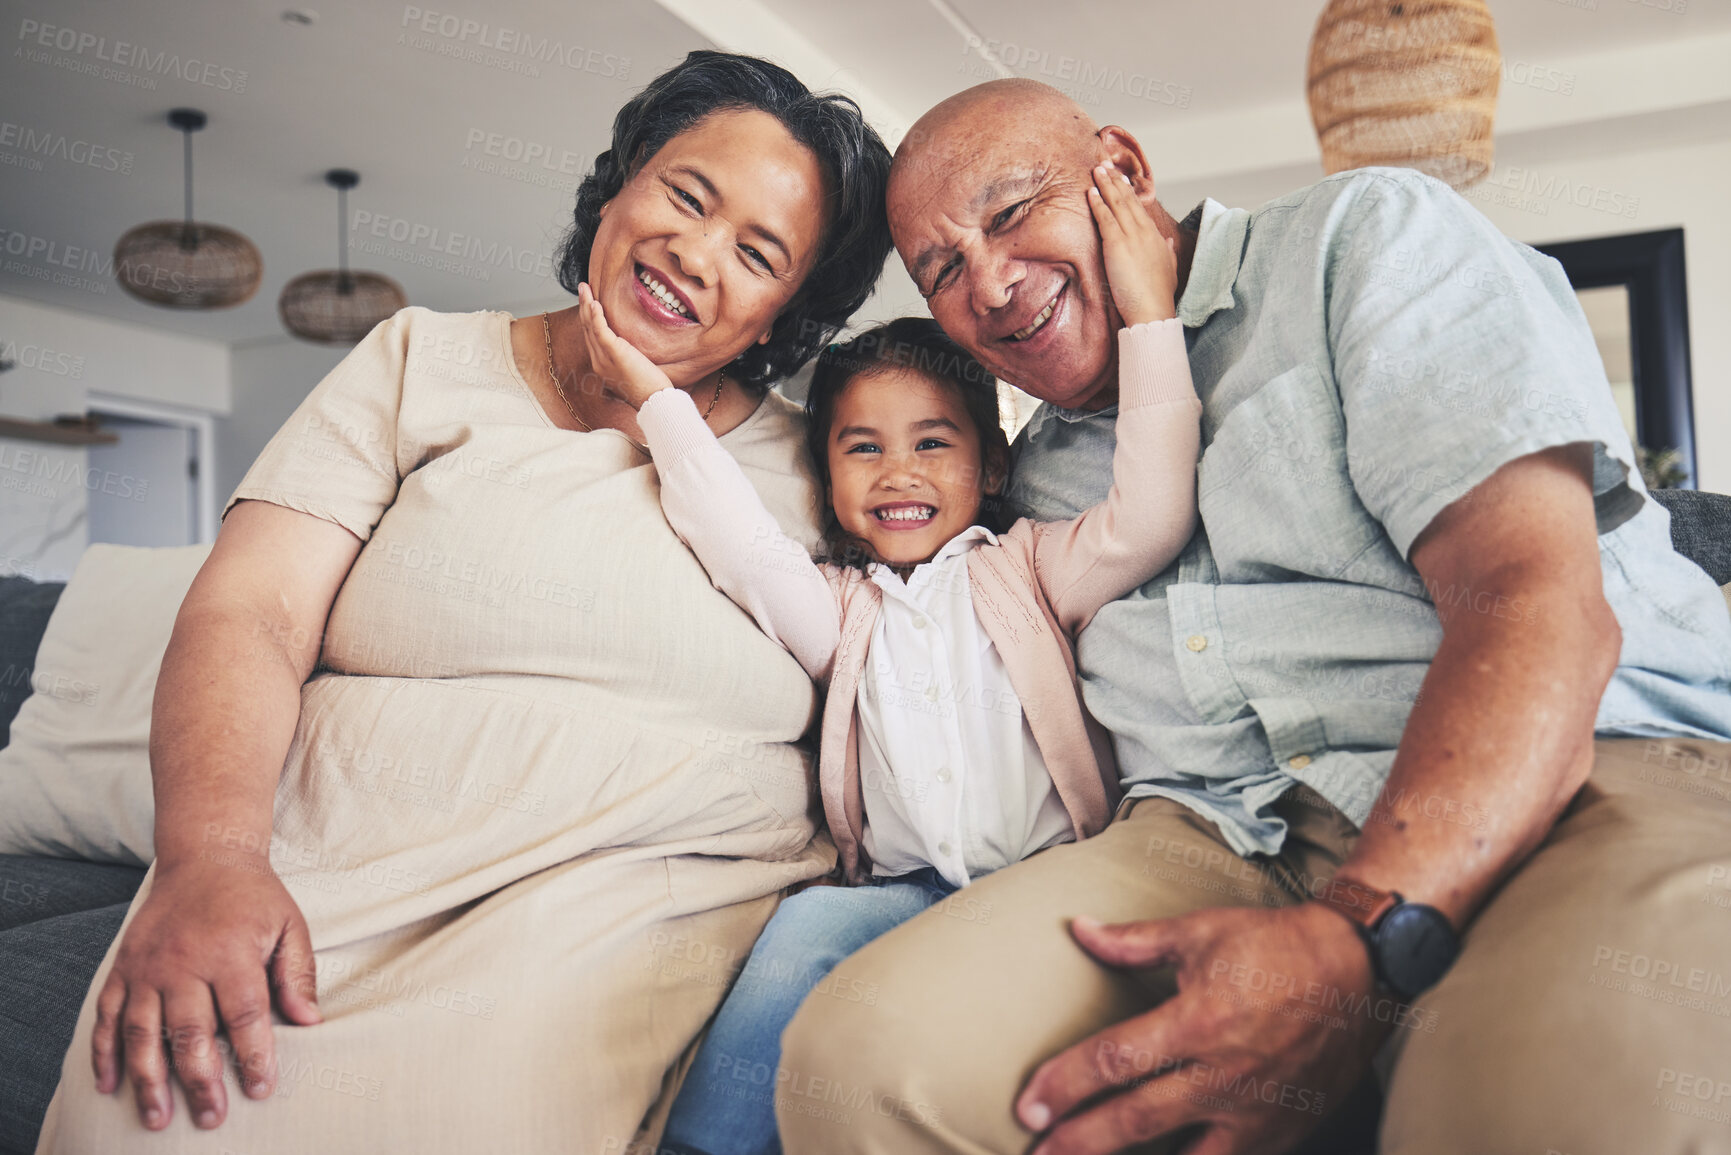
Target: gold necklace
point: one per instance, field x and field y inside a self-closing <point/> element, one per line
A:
<point x="559" y="386"/>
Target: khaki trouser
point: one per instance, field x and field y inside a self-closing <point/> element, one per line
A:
<point x="1588" y="1014"/>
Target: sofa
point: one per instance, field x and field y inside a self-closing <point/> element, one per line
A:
<point x="61" y="912"/>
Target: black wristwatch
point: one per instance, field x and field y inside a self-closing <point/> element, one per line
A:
<point x="1411" y="945"/>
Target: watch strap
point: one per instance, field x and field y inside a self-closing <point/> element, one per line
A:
<point x="1362" y="904"/>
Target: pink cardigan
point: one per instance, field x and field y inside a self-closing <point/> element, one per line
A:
<point x="1033" y="590"/>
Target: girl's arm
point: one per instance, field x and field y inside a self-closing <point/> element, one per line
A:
<point x="716" y="511"/>
<point x="1150" y="512"/>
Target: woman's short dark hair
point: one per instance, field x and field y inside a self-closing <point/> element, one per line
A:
<point x="855" y="165"/>
<point x="920" y="345"/>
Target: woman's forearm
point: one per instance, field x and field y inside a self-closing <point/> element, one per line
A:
<point x="247" y="637"/>
<point x="715" y="510"/>
<point x="226" y="705"/>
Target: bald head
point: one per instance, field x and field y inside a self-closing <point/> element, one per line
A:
<point x="1010" y="115"/>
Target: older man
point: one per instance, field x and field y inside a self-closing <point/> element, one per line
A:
<point x="1355" y="722"/>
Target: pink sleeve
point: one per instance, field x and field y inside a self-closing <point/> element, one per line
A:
<point x="1150" y="513"/>
<point x="717" y="513"/>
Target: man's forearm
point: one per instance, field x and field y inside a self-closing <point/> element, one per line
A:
<point x="1500" y="740"/>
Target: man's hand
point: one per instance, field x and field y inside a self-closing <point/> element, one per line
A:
<point x="1275" y="1020"/>
<point x="211" y="943"/>
<point x="618" y="362"/>
<point x="1141" y="263"/>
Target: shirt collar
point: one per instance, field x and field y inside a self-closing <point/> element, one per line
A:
<point x="974" y="535"/>
<point x="1214" y="265"/>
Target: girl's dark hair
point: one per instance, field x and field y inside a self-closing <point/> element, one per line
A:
<point x="855" y="166"/>
<point x="918" y="344"/>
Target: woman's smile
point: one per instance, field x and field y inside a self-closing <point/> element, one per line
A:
<point x="657" y="296"/>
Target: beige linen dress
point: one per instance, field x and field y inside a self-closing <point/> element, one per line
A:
<point x="543" y="790"/>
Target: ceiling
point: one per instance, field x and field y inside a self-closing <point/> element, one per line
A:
<point x="437" y="115"/>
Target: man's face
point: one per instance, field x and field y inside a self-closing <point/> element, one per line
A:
<point x="994" y="228"/>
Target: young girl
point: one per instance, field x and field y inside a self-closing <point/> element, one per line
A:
<point x="953" y="739"/>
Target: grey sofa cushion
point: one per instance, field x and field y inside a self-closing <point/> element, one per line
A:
<point x="25" y="607"/>
<point x="1701" y="528"/>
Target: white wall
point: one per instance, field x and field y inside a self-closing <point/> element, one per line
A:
<point x="61" y="356"/>
<point x="269" y="378"/>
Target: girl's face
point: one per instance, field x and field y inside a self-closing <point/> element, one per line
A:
<point x="709" y="241"/>
<point x="905" y="473"/>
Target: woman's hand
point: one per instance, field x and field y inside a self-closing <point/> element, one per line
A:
<point x="1141" y="263"/>
<point x="615" y="360"/>
<point x="213" y="941"/>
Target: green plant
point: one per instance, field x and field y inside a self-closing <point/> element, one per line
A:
<point x="1661" y="468"/>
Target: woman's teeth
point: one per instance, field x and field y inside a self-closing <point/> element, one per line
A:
<point x="907" y="513"/>
<point x="1035" y="325"/>
<point x="665" y="295"/>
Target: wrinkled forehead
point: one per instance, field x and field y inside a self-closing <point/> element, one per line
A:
<point x="970" y="163"/>
<point x="950" y="186"/>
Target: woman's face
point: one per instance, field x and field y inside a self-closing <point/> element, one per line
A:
<point x="709" y="241"/>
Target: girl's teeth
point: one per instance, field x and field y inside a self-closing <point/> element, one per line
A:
<point x="920" y="513"/>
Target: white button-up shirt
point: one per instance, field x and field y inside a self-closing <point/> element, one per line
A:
<point x="951" y="775"/>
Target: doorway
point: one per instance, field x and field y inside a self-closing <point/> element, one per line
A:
<point x="153" y="486"/>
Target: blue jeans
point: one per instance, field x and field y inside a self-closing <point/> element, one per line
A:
<point x="727" y="1105"/>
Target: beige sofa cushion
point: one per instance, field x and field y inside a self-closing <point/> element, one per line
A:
<point x="75" y="779"/>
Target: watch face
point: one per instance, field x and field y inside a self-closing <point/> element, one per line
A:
<point x="1416" y="946"/>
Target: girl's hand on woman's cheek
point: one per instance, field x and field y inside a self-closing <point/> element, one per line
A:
<point x="615" y="360"/>
<point x="1141" y="262"/>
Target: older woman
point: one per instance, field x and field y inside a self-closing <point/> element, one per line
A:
<point x="496" y="861"/>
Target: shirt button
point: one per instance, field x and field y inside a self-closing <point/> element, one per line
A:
<point x="1196" y="644"/>
<point x="943" y="774"/>
<point x="1300" y="761"/>
<point x="931" y="693"/>
<point x="944" y="848"/>
<point x="919" y="622"/>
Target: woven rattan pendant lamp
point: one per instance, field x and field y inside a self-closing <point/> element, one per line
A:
<point x="336" y="306"/>
<point x="187" y="264"/>
<point x="1409" y="83"/>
